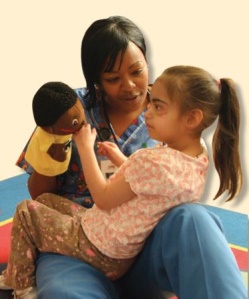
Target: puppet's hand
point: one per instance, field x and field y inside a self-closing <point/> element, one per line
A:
<point x="57" y="152"/>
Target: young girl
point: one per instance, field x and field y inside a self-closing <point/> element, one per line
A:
<point x="184" y="101"/>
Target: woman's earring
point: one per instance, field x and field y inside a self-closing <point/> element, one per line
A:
<point x="96" y="86"/>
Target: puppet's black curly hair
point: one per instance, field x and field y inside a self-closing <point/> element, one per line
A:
<point x="50" y="101"/>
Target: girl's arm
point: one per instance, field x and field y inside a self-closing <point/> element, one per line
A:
<point x="106" y="194"/>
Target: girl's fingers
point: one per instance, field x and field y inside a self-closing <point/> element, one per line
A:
<point x="86" y="126"/>
<point x="109" y="143"/>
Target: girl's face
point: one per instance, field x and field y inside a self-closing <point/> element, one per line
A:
<point x="163" y="118"/>
<point x="125" y="87"/>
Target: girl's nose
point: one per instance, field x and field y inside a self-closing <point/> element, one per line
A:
<point x="148" y="107"/>
<point x="147" y="112"/>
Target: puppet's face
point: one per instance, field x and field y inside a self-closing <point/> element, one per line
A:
<point x="70" y="121"/>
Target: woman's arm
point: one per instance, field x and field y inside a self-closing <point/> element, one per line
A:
<point x="106" y="194"/>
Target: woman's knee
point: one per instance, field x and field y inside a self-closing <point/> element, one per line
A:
<point x="58" y="276"/>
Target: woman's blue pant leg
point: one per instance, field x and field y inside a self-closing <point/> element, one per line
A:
<point x="187" y="254"/>
<point x="62" y="277"/>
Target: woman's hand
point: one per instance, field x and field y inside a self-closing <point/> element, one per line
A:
<point x="85" y="137"/>
<point x="112" y="152"/>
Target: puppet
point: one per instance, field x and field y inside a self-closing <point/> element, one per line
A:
<point x="58" y="114"/>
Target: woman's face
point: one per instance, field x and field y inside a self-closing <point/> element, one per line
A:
<point x="125" y="87"/>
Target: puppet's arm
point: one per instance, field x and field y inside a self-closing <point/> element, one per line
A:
<point x="39" y="184"/>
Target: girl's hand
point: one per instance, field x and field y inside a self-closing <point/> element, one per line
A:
<point x="112" y="152"/>
<point x="85" y="137"/>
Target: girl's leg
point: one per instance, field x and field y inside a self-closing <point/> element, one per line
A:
<point x="37" y="227"/>
<point x="61" y="204"/>
<point x="113" y="268"/>
<point x="60" y="275"/>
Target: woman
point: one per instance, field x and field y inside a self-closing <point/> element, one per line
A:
<point x="115" y="68"/>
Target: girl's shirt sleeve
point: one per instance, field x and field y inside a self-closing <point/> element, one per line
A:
<point x="166" y="172"/>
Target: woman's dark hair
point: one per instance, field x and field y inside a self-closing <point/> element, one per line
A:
<point x="195" y="88"/>
<point x="101" y="44"/>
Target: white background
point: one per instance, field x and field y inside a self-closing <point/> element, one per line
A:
<point x="40" y="41"/>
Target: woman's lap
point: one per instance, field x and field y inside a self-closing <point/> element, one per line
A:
<point x="66" y="277"/>
<point x="186" y="252"/>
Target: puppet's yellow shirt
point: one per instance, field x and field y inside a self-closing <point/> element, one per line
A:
<point x="37" y="156"/>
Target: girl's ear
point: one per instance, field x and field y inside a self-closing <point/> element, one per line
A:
<point x="194" y="118"/>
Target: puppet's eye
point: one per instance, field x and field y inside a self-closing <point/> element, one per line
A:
<point x="75" y="122"/>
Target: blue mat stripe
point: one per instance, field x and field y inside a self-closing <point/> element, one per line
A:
<point x="235" y="226"/>
<point x="12" y="191"/>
